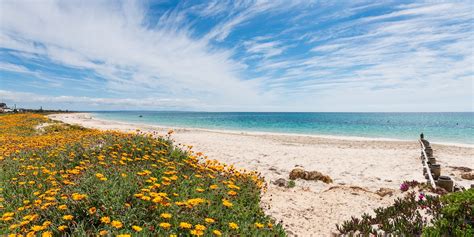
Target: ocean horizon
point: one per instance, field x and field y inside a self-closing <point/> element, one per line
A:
<point x="445" y="127"/>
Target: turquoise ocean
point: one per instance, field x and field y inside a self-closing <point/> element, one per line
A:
<point x="437" y="127"/>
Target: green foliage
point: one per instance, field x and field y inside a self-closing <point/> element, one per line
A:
<point x="291" y="184"/>
<point x="456" y="217"/>
<point x="448" y="215"/>
<point x="403" y="218"/>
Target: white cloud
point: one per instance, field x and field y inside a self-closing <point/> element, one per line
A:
<point x="132" y="56"/>
<point x="96" y="102"/>
<point x="414" y="63"/>
<point x="265" y="49"/>
<point x="13" y="68"/>
<point x="241" y="12"/>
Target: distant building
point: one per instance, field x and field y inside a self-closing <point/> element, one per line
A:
<point x="4" y="108"/>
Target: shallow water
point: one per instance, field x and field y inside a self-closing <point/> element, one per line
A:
<point x="437" y="127"/>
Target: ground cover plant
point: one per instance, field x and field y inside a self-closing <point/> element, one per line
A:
<point x="67" y="180"/>
<point x="418" y="214"/>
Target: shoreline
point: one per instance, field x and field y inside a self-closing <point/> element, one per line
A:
<point x="245" y="132"/>
<point x="360" y="168"/>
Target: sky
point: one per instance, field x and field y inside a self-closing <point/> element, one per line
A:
<point x="362" y="56"/>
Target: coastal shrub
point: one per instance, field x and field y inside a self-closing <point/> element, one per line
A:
<point x="414" y="215"/>
<point x="456" y="217"/>
<point x="402" y="218"/>
<point x="68" y="180"/>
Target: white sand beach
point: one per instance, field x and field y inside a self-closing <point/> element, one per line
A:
<point x="359" y="168"/>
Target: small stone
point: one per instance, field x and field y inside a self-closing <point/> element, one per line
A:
<point x="468" y="176"/>
<point x="315" y="175"/>
<point x="274" y="169"/>
<point x="458" y="188"/>
<point x="384" y="192"/>
<point x="461" y="168"/>
<point x="281" y="182"/>
<point x="297" y="174"/>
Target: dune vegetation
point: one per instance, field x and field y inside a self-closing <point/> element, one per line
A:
<point x="60" y="179"/>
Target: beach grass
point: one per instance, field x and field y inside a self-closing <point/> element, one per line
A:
<point x="63" y="179"/>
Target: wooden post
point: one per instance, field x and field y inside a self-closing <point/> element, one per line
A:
<point x="425" y="164"/>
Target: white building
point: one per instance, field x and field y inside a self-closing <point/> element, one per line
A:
<point x="4" y="108"/>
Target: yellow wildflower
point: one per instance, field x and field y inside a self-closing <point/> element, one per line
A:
<point x="136" y="228"/>
<point x="216" y="232"/>
<point x="78" y="196"/>
<point x="233" y="225"/>
<point x="185" y="225"/>
<point x="231" y="186"/>
<point x="165" y="225"/>
<point x="166" y="215"/>
<point x="14" y="226"/>
<point x="157" y="199"/>
<point x="24" y="223"/>
<point x="92" y="210"/>
<point x="37" y="228"/>
<point x="226" y="203"/>
<point x="195" y="201"/>
<point x="8" y="214"/>
<point x="62" y="227"/>
<point x="199" y="227"/>
<point x="259" y="225"/>
<point x="47" y="223"/>
<point x="209" y="220"/>
<point x="68" y="217"/>
<point x="145" y="198"/>
<point x="117" y="224"/>
<point x="197" y="232"/>
<point x="105" y="220"/>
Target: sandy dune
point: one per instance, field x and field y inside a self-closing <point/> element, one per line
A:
<point x="359" y="167"/>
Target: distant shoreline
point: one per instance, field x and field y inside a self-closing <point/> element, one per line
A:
<point x="235" y="131"/>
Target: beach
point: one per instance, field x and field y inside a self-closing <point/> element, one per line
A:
<point x="359" y="168"/>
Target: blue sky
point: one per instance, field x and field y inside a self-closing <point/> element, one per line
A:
<point x="238" y="55"/>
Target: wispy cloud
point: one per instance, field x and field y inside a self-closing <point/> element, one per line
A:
<point x="266" y="48"/>
<point x="424" y="49"/>
<point x="94" y="103"/>
<point x="119" y="48"/>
